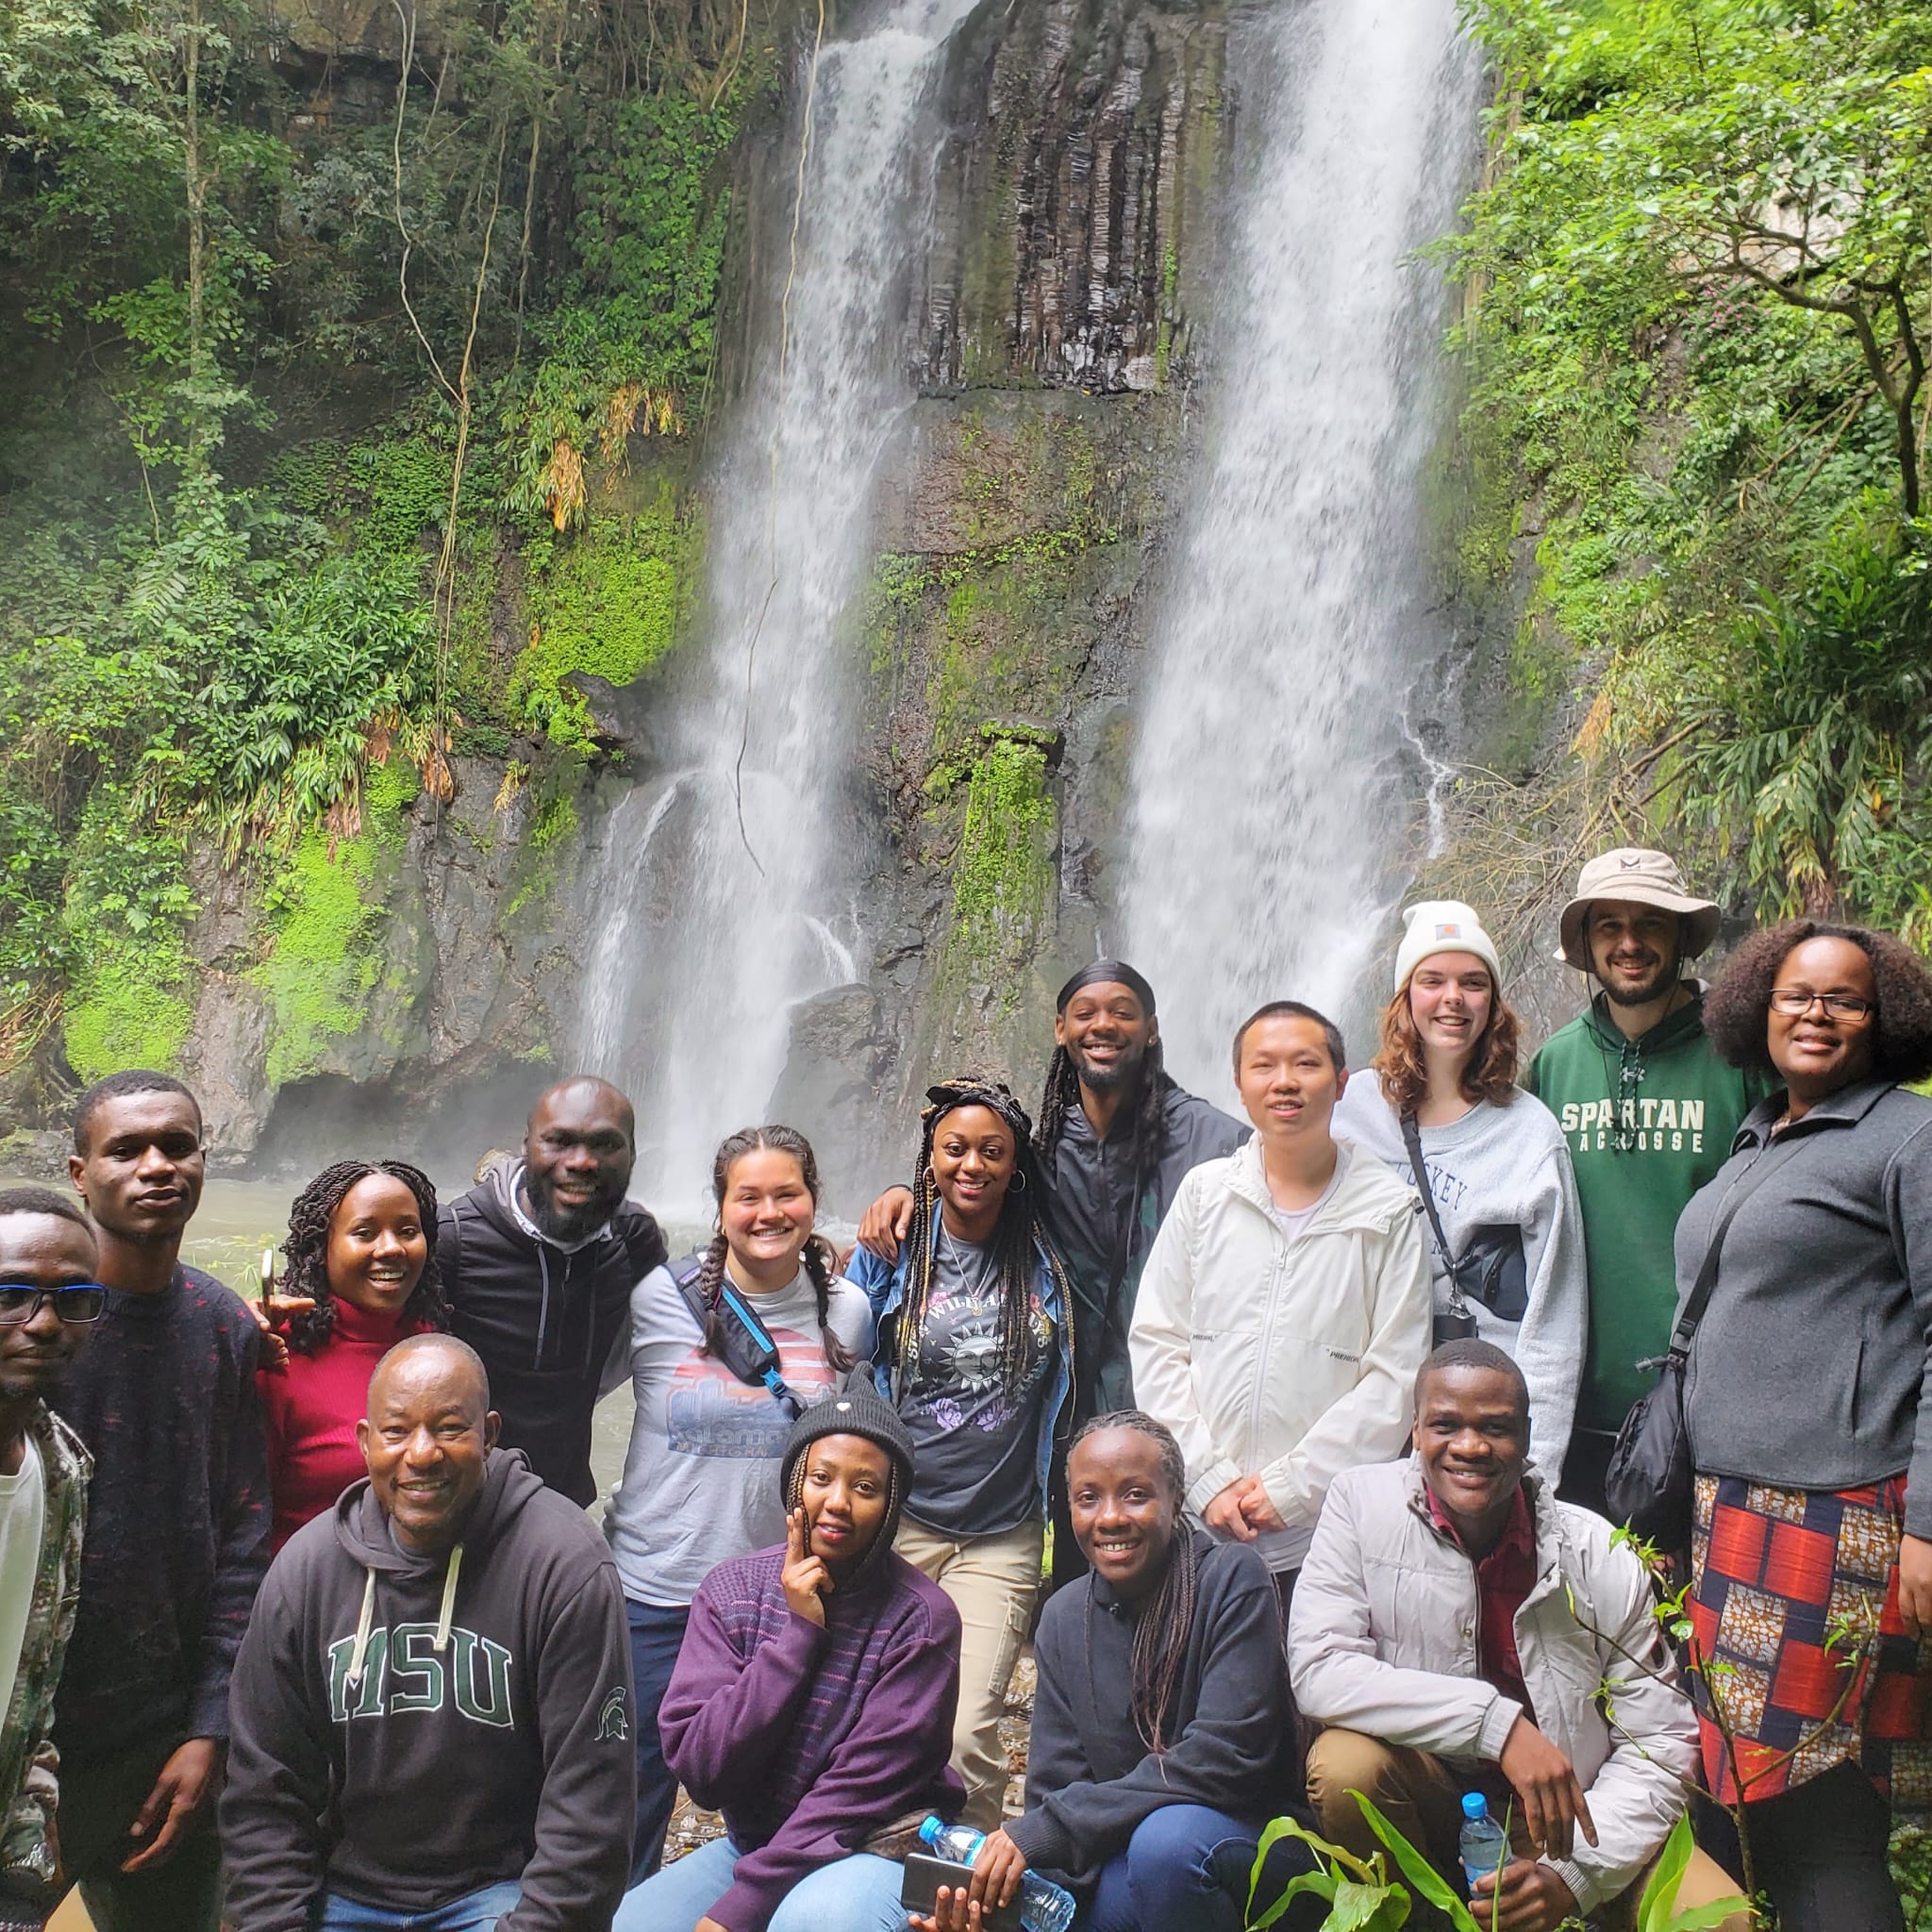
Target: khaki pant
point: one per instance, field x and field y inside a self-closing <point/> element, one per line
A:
<point x="992" y="1581"/>
<point x="1421" y="1797"/>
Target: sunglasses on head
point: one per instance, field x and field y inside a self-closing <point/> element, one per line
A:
<point x="85" y="1301"/>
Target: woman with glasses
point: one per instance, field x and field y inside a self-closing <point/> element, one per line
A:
<point x="359" y="1274"/>
<point x="1811" y="1555"/>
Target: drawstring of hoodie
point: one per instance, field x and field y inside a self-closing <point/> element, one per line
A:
<point x="359" y="1653"/>
<point x="449" y="1599"/>
<point x="362" y="1622"/>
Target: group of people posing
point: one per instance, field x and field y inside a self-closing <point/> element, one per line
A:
<point x="1282" y="1440"/>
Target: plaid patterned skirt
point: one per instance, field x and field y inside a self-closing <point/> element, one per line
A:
<point x="1795" y="1613"/>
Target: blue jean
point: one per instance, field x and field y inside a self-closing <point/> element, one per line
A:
<point x="475" y="1911"/>
<point x="855" y="1894"/>
<point x="1188" y="1866"/>
<point x="657" y="1634"/>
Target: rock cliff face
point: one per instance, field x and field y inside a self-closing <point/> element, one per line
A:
<point x="425" y="973"/>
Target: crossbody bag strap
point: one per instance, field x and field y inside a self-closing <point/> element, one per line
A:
<point x="1742" y="1188"/>
<point x="762" y="1365"/>
<point x="1412" y="1138"/>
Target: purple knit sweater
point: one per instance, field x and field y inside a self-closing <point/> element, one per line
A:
<point x="810" y="1740"/>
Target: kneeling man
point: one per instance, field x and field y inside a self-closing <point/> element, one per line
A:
<point x="1458" y="1629"/>
<point x="430" y="1718"/>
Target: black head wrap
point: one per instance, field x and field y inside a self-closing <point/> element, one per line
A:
<point x="949" y="1095"/>
<point x="1102" y="971"/>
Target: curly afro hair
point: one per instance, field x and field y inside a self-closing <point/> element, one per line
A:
<point x="304" y="1254"/>
<point x="1738" y="1008"/>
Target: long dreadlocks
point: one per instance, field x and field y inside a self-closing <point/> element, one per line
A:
<point x="1161" y="1632"/>
<point x="1016" y="1239"/>
<point x="1062" y="1095"/>
<point x="304" y="1254"/>
<point x="817" y="1258"/>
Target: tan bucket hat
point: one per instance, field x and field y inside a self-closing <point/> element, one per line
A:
<point x="1650" y="878"/>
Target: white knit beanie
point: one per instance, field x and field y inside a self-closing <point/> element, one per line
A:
<point x="1443" y="925"/>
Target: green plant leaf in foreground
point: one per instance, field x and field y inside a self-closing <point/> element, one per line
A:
<point x="1417" y="1869"/>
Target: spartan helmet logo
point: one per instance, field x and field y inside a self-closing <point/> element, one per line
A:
<point x="612" y="1719"/>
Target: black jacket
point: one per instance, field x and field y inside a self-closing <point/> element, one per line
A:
<point x="544" y="1318"/>
<point x="505" y="1754"/>
<point x="1105" y="1201"/>
<point x="1233" y="1747"/>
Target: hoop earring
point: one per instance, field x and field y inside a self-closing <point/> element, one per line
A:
<point x="1018" y="1184"/>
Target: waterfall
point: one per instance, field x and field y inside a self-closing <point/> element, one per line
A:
<point x="1268" y="827"/>
<point x="724" y="899"/>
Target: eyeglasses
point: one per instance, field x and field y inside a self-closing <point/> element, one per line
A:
<point x="1790" y="1000"/>
<point x="86" y="1301"/>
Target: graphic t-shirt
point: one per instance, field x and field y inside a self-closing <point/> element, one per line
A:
<point x="976" y="1445"/>
<point x="701" y="1478"/>
<point x="1649" y="1121"/>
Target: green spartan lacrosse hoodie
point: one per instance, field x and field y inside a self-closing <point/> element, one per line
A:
<point x="408" y="1729"/>
<point x="1648" y="1123"/>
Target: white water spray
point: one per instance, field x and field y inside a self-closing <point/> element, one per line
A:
<point x="1267" y="830"/>
<point x="722" y="905"/>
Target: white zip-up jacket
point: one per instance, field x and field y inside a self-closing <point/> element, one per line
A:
<point x="1383" y="1639"/>
<point x="1290" y="1359"/>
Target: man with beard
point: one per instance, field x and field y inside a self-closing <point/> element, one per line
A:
<point x="178" y="1527"/>
<point x="538" y="1260"/>
<point x="1649" y="1111"/>
<point x="1115" y="1138"/>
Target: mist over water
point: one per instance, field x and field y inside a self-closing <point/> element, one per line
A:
<point x="1269" y="822"/>
<point x="728" y="898"/>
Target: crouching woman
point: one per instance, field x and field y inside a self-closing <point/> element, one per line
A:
<point x="812" y="1702"/>
<point x="1149" y="1808"/>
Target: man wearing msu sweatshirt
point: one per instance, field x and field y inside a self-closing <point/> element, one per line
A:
<point x="431" y="1716"/>
<point x="538" y="1260"/>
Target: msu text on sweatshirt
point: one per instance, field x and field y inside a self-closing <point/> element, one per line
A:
<point x="487" y="1733"/>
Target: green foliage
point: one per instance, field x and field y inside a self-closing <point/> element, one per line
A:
<point x="1003" y="874"/>
<point x="210" y="622"/>
<point x="326" y="906"/>
<point x="1657" y="1910"/>
<point x="628" y="348"/>
<point x="1696" y="321"/>
<point x="1811" y="736"/>
<point x="607" y="602"/>
<point x="128" y="903"/>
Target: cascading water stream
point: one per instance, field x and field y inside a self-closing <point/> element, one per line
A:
<point x="720" y="907"/>
<point x="1267" y="828"/>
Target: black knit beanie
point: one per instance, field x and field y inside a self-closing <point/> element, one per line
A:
<point x="852" y="1413"/>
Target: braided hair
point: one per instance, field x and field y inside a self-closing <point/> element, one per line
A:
<point x="304" y="1254"/>
<point x="1016" y="1237"/>
<point x="1149" y="1113"/>
<point x="818" y="1258"/>
<point x="1161" y="1632"/>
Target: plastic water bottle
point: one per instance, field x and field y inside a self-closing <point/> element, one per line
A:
<point x="1483" y="1846"/>
<point x="1044" y="1907"/>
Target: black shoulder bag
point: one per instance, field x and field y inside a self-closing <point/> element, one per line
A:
<point x="1491" y="1267"/>
<point x="746" y="1344"/>
<point x="1648" y="1480"/>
